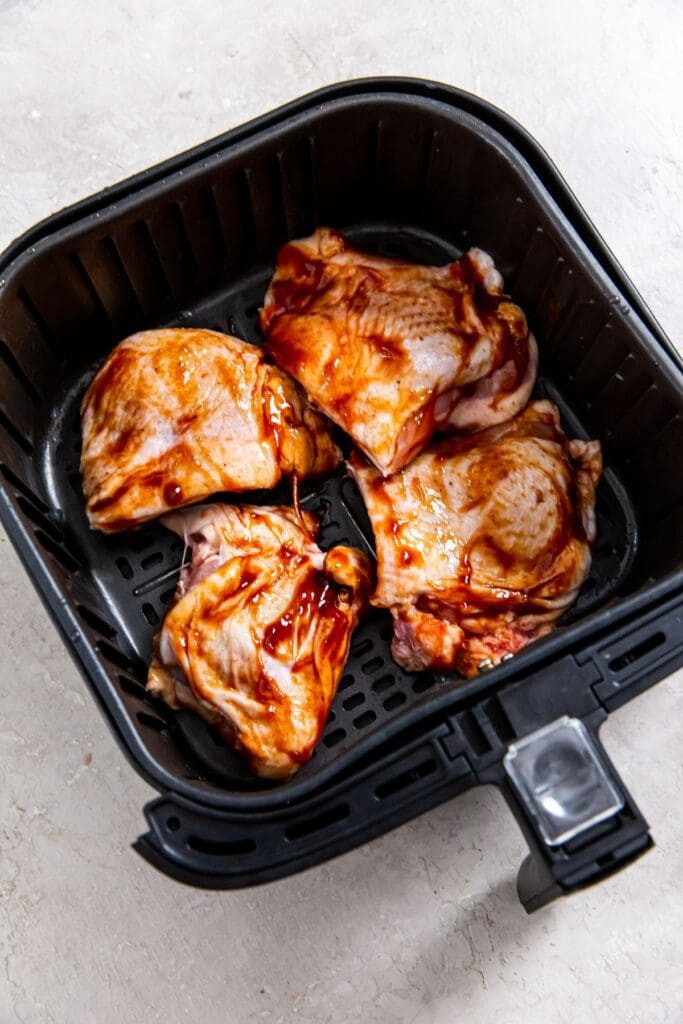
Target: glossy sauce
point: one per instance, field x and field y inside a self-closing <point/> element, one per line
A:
<point x="488" y="469"/>
<point x="301" y="280"/>
<point x="315" y="597"/>
<point x="150" y="480"/>
<point x="316" y="600"/>
<point x="150" y="416"/>
<point x="273" y="418"/>
<point x="173" y="493"/>
<point x="299" y="287"/>
<point x="247" y="579"/>
<point x="509" y="321"/>
<point x="110" y="379"/>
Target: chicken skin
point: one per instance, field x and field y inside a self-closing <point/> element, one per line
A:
<point x="393" y="351"/>
<point x="482" y="541"/>
<point x="258" y="638"/>
<point x="176" y="415"/>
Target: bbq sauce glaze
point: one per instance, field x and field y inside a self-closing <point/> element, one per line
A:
<point x="303" y="279"/>
<point x="463" y="597"/>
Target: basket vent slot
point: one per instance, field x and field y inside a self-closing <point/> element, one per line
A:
<point x="151" y="721"/>
<point x="361" y="646"/>
<point x="17" y="372"/>
<point x="367" y="718"/>
<point x="66" y="560"/>
<point x="125" y="568"/>
<point x="15" y="434"/>
<point x="394" y="701"/>
<point x="150" y="613"/>
<point x="354" y="701"/>
<point x="93" y="620"/>
<point x="637" y="652"/>
<point x="334" y="737"/>
<point x="346" y="681"/>
<point x="373" y="665"/>
<point x="132" y="688"/>
<point x="38" y="321"/>
<point x="40" y="519"/>
<point x="216" y="847"/>
<point x="406" y="779"/>
<point x="118" y="658"/>
<point x="20" y="486"/>
<point x="316" y="824"/>
<point x="149" y="560"/>
<point x="383" y="684"/>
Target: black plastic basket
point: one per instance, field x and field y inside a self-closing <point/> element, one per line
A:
<point x="409" y="168"/>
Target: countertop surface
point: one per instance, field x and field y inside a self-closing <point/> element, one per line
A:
<point x="422" y="925"/>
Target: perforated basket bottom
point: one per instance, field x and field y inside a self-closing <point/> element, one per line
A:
<point x="136" y="573"/>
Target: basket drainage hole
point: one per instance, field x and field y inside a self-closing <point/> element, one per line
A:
<point x="385" y="683"/>
<point x="333" y="738"/>
<point x="173" y="824"/>
<point x="132" y="688"/>
<point x="150" y="614"/>
<point x="125" y="568"/>
<point x="149" y="560"/>
<point x="361" y="647"/>
<point x="394" y="701"/>
<point x="151" y="721"/>
<point x="353" y="701"/>
<point x="346" y="681"/>
<point x="369" y="667"/>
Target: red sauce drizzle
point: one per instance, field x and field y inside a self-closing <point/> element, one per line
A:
<point x="315" y="596"/>
<point x="109" y="379"/>
<point x="150" y="480"/>
<point x="247" y="579"/>
<point x="173" y="493"/>
<point x="299" y="281"/>
<point x="514" y="346"/>
<point x="460" y="598"/>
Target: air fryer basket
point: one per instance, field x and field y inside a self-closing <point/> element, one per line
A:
<point x="406" y="168"/>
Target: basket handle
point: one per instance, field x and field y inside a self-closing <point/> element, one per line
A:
<point x="579" y="820"/>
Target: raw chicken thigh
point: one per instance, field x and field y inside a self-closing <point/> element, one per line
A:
<point x="258" y="638"/>
<point x="483" y="541"/>
<point x="176" y="415"/>
<point x="393" y="351"/>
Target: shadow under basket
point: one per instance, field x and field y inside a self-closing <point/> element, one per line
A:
<point x="405" y="168"/>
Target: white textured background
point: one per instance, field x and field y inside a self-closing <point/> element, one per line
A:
<point x="422" y="925"/>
